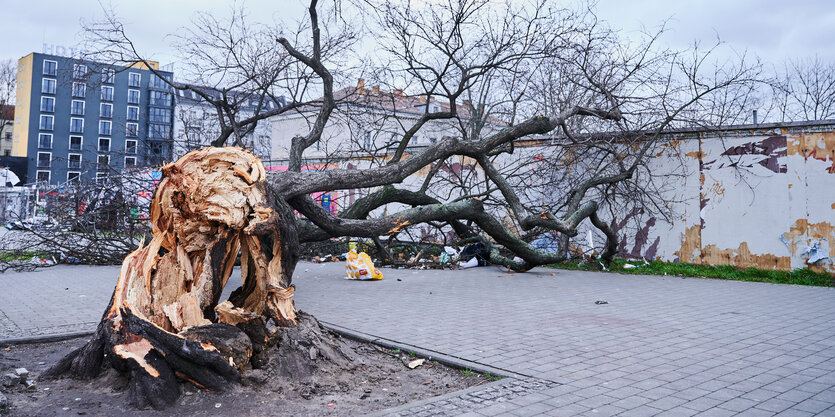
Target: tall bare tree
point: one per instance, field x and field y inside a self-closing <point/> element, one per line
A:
<point x="805" y="90"/>
<point x="8" y="85"/>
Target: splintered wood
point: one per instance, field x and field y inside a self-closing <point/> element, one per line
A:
<point x="210" y="205"/>
<point x="164" y="321"/>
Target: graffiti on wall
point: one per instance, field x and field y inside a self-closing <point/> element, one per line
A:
<point x="753" y="199"/>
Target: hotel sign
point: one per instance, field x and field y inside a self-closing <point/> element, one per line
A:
<point x="61" y="50"/>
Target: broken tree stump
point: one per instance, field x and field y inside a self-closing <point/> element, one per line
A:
<point x="164" y="322"/>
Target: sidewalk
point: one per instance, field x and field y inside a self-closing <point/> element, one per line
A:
<point x="661" y="346"/>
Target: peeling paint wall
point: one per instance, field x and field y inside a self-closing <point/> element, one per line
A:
<point x="750" y="197"/>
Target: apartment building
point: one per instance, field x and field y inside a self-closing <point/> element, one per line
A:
<point x="79" y="119"/>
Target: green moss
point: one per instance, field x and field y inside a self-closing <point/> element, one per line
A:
<point x="798" y="277"/>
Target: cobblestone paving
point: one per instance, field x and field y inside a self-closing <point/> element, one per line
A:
<point x="661" y="346"/>
<point x="56" y="300"/>
<point x="495" y="396"/>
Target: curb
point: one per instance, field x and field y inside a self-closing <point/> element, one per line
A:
<point x="429" y="354"/>
<point x="44" y="338"/>
<point x="449" y="360"/>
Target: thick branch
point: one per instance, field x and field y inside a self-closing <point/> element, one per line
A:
<point x="291" y="184"/>
<point x="611" y="237"/>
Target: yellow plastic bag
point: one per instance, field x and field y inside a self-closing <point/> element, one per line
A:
<point x="359" y="266"/>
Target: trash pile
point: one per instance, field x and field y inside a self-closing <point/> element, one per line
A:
<point x="359" y="265"/>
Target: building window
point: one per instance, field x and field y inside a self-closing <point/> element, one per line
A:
<point x="45" y="141"/>
<point x="44" y="159"/>
<point x="73" y="176"/>
<point x="132" y="130"/>
<point x="76" y="125"/>
<point x="43" y="176"/>
<point x="104" y="145"/>
<point x="50" y="67"/>
<point x="79" y="89"/>
<point x="158" y="82"/>
<point x="130" y="146"/>
<point x="104" y="127"/>
<point x="130" y="161"/>
<point x="48" y="86"/>
<point x="159" y="115"/>
<point x="133" y="96"/>
<point x="7" y="152"/>
<point x="133" y="113"/>
<point x="79" y="71"/>
<point x="103" y="162"/>
<point x="108" y="75"/>
<point x="75" y="143"/>
<point x="46" y="122"/>
<point x="159" y="131"/>
<point x="100" y="177"/>
<point x="366" y="139"/>
<point x="107" y="93"/>
<point x="48" y="104"/>
<point x="74" y="160"/>
<point x="159" y="98"/>
<point x="133" y="79"/>
<point x="156" y="149"/>
<point x="106" y="110"/>
<point x="77" y="108"/>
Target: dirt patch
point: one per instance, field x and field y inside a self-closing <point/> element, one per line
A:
<point x="379" y="379"/>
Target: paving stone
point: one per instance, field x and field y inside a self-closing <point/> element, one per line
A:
<point x="667" y="403"/>
<point x="738" y="404"/>
<point x="676" y="412"/>
<point x="812" y="406"/>
<point x="682" y="344"/>
<point x="716" y="412"/>
<point x="606" y="410"/>
<point x="775" y="405"/>
<point x="702" y="404"/>
<point x="631" y="402"/>
<point x="791" y="412"/>
<point x="755" y="412"/>
<point x="658" y="393"/>
<point x="642" y="411"/>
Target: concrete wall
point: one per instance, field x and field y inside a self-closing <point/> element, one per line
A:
<point x="762" y="197"/>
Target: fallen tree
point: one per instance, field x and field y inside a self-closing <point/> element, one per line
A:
<point x="612" y="103"/>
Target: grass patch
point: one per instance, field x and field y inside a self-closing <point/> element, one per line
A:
<point x="798" y="276"/>
<point x="469" y="373"/>
<point x="22" y="255"/>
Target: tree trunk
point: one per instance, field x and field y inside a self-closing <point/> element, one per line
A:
<point x="164" y="321"/>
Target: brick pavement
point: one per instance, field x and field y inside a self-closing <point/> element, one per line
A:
<point x="661" y="346"/>
<point x="55" y="300"/>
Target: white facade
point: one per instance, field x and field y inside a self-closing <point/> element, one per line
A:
<point x="196" y="125"/>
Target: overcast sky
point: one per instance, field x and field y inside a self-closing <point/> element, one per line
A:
<point x="770" y="29"/>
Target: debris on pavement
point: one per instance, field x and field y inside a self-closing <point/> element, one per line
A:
<point x="473" y="262"/>
<point x="359" y="266"/>
<point x="415" y="363"/>
<point x="478" y="251"/>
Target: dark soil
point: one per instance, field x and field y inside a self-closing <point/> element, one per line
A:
<point x="377" y="379"/>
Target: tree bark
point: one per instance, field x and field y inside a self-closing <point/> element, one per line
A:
<point x="164" y="321"/>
